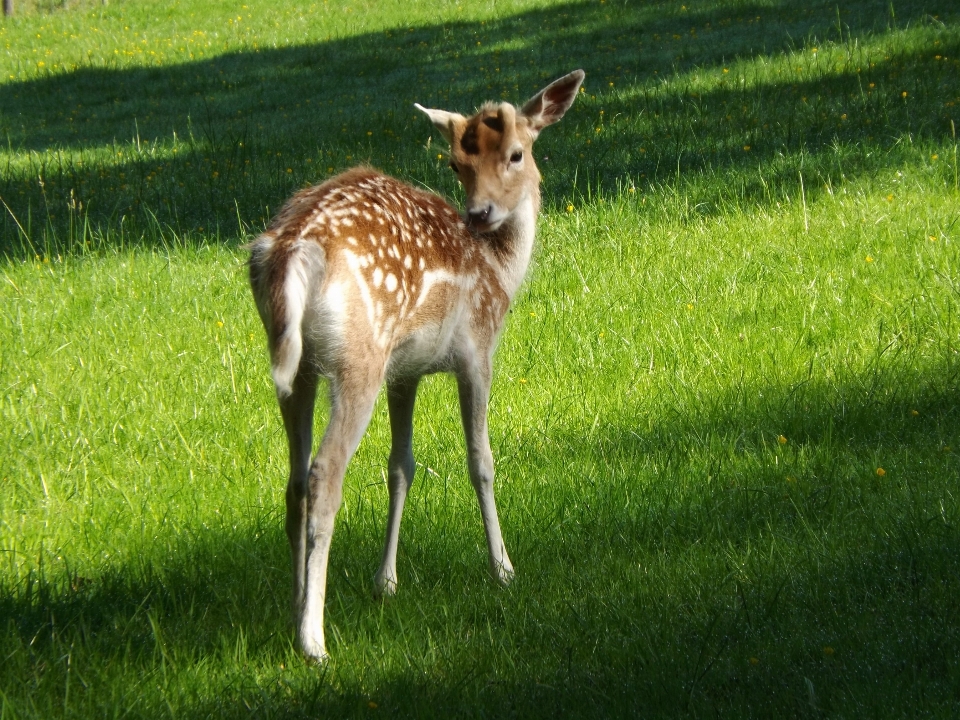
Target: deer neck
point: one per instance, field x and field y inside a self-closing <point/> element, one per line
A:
<point x="512" y="243"/>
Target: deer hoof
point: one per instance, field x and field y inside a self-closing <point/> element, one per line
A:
<point x="503" y="574"/>
<point x="384" y="587"/>
<point x="314" y="648"/>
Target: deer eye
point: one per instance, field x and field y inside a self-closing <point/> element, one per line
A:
<point x="516" y="157"/>
<point x="453" y="166"/>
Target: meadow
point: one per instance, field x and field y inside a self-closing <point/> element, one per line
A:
<point x="726" y="410"/>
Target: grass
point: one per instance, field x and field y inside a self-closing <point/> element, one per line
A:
<point x="726" y="403"/>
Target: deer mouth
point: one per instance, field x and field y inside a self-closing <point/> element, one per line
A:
<point x="485" y="220"/>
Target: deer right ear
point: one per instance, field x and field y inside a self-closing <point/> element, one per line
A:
<point x="549" y="105"/>
<point x="444" y="121"/>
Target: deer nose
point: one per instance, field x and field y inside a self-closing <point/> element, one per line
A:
<point x="479" y="216"/>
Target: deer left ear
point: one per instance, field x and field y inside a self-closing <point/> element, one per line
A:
<point x="444" y="121"/>
<point x="550" y="104"/>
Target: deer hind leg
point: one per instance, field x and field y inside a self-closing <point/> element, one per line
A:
<point x="297" y="412"/>
<point x="474" y="390"/>
<point x="401" y="396"/>
<point x="351" y="406"/>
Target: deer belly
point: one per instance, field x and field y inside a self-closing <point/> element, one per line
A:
<point x="425" y="351"/>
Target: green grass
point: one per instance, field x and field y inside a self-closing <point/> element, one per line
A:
<point x="726" y="404"/>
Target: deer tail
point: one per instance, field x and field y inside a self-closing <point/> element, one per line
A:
<point x="283" y="277"/>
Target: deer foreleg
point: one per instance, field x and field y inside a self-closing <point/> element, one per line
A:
<point x="400" y="401"/>
<point x="474" y="389"/>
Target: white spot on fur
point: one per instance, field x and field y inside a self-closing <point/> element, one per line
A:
<point x="433" y="277"/>
<point x="353" y="264"/>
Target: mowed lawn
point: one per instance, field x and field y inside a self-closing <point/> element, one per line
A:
<point x="726" y="413"/>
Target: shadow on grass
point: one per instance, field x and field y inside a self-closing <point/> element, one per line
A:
<point x="215" y="146"/>
<point x="690" y="575"/>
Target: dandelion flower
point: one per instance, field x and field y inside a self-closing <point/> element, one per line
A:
<point x="828" y="651"/>
<point x="869" y="259"/>
<point x="219" y="323"/>
<point x="781" y="439"/>
<point x="881" y="472"/>
<point x="569" y="208"/>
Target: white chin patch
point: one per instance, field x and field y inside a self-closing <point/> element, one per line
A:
<point x="491" y="225"/>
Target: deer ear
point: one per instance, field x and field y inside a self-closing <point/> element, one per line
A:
<point x="444" y="121"/>
<point x="549" y="105"/>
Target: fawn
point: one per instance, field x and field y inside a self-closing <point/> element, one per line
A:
<point x="364" y="279"/>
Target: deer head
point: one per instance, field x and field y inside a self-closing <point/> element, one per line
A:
<point x="491" y="151"/>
